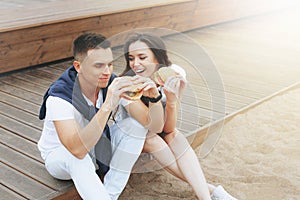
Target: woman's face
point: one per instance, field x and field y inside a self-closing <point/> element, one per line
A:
<point x="141" y="59"/>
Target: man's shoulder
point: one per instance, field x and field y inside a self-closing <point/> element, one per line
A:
<point x="55" y="100"/>
<point x="60" y="109"/>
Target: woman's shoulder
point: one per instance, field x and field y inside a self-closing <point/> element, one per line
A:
<point x="179" y="70"/>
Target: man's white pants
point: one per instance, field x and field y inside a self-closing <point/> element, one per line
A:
<point x="61" y="164"/>
<point x="127" y="138"/>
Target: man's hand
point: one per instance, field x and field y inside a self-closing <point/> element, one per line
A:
<point x="114" y="93"/>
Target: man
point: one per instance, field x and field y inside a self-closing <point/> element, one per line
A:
<point x="75" y="140"/>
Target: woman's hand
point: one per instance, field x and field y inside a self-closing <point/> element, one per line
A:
<point x="148" y="86"/>
<point x="173" y="88"/>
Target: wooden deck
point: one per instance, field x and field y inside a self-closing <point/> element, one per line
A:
<point x="256" y="57"/>
<point x="35" y="32"/>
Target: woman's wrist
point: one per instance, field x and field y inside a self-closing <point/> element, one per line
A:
<point x="155" y="99"/>
<point x="172" y="104"/>
<point x="154" y="94"/>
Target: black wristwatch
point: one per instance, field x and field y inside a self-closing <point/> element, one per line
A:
<point x="155" y="100"/>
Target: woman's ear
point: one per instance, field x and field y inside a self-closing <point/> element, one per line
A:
<point x="76" y="65"/>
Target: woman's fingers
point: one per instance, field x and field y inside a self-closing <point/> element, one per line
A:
<point x="174" y="87"/>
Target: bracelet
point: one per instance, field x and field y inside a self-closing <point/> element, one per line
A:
<point x="155" y="100"/>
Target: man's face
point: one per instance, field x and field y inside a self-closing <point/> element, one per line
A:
<point x="97" y="67"/>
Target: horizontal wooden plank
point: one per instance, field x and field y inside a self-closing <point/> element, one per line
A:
<point x="208" y="100"/>
<point x="41" y="81"/>
<point x="22" y="184"/>
<point x="9" y="194"/>
<point x="192" y="118"/>
<point x="233" y="97"/>
<point x="20" y="144"/>
<point x="21" y="116"/>
<point x="34" y="170"/>
<point x="229" y="87"/>
<point x="21" y="104"/>
<point x="61" y="66"/>
<point x="200" y="112"/>
<point x="18" y="92"/>
<point x="23" y="84"/>
<point x="56" y="72"/>
<point x="47" y="75"/>
<point x="21" y="129"/>
<point x="186" y="127"/>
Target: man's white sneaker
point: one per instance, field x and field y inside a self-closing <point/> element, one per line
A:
<point x="220" y="194"/>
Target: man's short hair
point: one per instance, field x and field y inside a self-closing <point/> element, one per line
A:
<point x="88" y="41"/>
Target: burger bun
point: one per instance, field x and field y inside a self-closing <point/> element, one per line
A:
<point x="135" y="92"/>
<point x="163" y="74"/>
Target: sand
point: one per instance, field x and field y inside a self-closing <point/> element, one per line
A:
<point x="256" y="158"/>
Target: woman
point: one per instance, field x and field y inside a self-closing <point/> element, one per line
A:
<point x="145" y="54"/>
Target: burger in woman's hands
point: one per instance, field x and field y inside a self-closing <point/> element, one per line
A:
<point x="163" y="74"/>
<point x="135" y="91"/>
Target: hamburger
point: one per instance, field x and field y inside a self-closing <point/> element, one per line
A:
<point x="163" y="74"/>
<point x="135" y="92"/>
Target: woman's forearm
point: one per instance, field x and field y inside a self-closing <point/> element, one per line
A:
<point x="170" y="117"/>
<point x="155" y="117"/>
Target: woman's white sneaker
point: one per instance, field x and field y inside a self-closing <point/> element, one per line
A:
<point x="220" y="194"/>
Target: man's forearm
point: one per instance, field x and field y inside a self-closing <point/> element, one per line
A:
<point x="91" y="133"/>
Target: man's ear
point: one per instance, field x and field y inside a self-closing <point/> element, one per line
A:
<point x="76" y="65"/>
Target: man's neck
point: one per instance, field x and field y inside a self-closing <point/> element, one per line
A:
<point x="91" y="92"/>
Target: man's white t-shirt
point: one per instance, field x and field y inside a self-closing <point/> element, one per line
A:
<point x="60" y="109"/>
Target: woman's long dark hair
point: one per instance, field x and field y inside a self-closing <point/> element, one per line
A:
<point x="155" y="44"/>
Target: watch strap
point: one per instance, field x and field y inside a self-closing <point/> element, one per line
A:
<point x="155" y="100"/>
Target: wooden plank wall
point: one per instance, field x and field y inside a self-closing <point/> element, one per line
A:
<point x="41" y="42"/>
<point x="49" y="42"/>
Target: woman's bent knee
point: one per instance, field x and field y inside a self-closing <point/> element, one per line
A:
<point x="169" y="137"/>
<point x="152" y="143"/>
